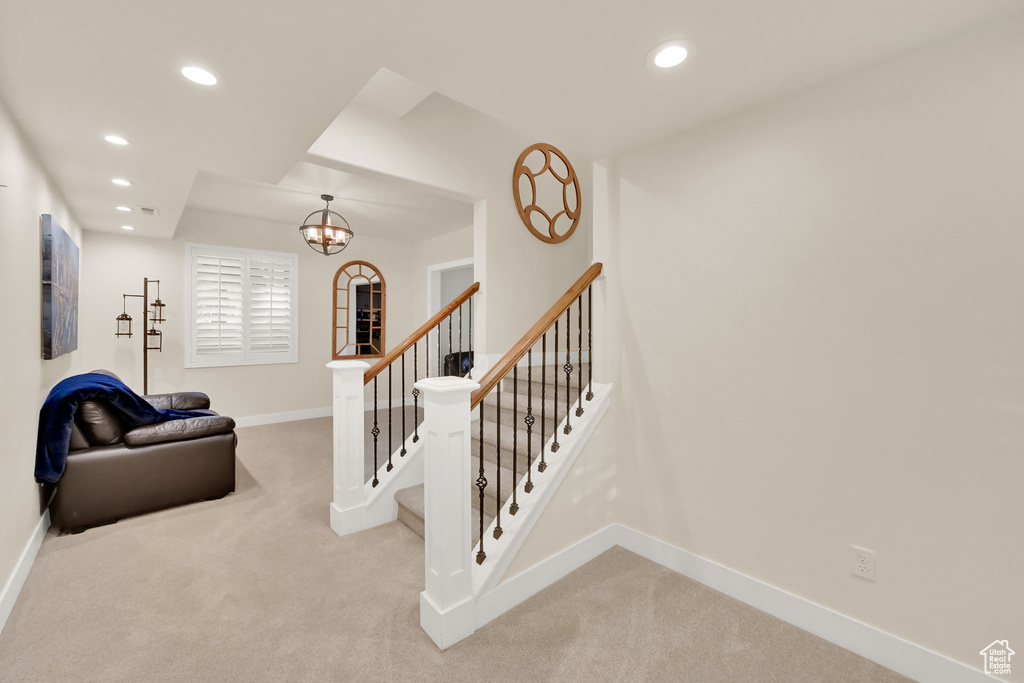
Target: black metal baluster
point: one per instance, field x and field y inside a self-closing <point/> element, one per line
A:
<point x="390" y="402"/>
<point x="543" y="400"/>
<point x="459" y="370"/>
<point x="415" y="393"/>
<point x="375" y="431"/>
<point x="439" y="373"/>
<point x="481" y="484"/>
<point x="529" y="420"/>
<point x="402" y="452"/>
<point x="451" y="354"/>
<point x="568" y="370"/>
<point x="472" y="360"/>
<point x="590" y="342"/>
<point x="579" y="355"/>
<point x="554" y="444"/>
<point x="514" y="508"/>
<point x="497" y="500"/>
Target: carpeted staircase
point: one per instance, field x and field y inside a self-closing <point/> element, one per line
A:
<point x="410" y="500"/>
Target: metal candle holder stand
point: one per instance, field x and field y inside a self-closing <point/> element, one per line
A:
<point x="152" y="338"/>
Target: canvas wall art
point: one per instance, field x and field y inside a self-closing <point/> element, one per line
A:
<point x="60" y="290"/>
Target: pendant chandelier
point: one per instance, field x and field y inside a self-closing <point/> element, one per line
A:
<point x="325" y="231"/>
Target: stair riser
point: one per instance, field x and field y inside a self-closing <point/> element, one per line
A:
<point x="411" y="520"/>
<point x="491" y="491"/>
<point x="510" y="417"/>
<point x="491" y="455"/>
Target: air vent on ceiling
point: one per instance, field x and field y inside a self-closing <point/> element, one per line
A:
<point x="149" y="211"/>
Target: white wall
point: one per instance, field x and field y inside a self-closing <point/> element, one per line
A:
<point x="26" y="378"/>
<point x="817" y="311"/>
<point x="118" y="263"/>
<point x="452" y="246"/>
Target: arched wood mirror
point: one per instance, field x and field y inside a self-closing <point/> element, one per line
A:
<point x="359" y="311"/>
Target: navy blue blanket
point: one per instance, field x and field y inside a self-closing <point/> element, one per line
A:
<point x="58" y="414"/>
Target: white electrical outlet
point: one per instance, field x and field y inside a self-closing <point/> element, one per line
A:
<point x="863" y="563"/>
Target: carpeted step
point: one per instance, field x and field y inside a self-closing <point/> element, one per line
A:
<point x="551" y="410"/>
<point x="490" y="443"/>
<point x="491" y="473"/>
<point x="547" y="387"/>
<point x="410" y="508"/>
<point x="411" y="512"/>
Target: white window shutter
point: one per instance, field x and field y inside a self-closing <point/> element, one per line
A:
<point x="219" y="304"/>
<point x="270" y="301"/>
<point x="244" y="307"/>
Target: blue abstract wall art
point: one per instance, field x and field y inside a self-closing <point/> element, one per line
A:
<point x="60" y="290"/>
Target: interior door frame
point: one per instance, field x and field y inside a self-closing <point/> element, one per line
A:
<point x="434" y="302"/>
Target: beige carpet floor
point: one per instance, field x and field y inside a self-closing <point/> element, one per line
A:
<point x="256" y="587"/>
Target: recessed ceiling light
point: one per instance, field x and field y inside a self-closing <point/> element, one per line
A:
<point x="127" y="227"/>
<point x="124" y="208"/>
<point x="115" y="140"/>
<point x="669" y="54"/>
<point x="121" y="181"/>
<point x="200" y="76"/>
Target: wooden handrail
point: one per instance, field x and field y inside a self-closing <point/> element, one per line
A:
<point x="519" y="349"/>
<point x="397" y="352"/>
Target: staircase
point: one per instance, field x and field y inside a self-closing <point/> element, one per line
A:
<point x="410" y="500"/>
<point x="488" y="434"/>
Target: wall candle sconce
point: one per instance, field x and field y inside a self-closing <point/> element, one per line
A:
<point x="152" y="338"/>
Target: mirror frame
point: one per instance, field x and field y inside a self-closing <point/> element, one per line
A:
<point x="346" y="274"/>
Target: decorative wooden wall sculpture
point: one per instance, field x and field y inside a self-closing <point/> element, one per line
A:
<point x="548" y="223"/>
<point x="359" y="317"/>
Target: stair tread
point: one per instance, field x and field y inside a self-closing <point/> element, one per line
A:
<point x="412" y="499"/>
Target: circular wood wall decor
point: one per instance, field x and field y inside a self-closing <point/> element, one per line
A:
<point x="527" y="206"/>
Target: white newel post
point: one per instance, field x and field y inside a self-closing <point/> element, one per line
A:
<point x="349" y="507"/>
<point x="446" y="606"/>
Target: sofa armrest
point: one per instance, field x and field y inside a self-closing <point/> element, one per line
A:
<point x="179" y="430"/>
<point x="182" y="400"/>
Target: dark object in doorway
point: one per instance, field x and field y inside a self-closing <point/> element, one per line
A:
<point x="458" y="364"/>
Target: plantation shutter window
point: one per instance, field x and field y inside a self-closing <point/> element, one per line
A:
<point x="218" y="304"/>
<point x="243" y="307"/>
<point x="270" y="304"/>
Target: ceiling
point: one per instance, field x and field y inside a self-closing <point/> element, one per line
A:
<point x="571" y="72"/>
<point x="373" y="205"/>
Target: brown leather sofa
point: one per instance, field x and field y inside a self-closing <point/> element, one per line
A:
<point x="114" y="471"/>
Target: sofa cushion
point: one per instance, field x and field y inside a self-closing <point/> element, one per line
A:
<point x="78" y="441"/>
<point x="100" y="424"/>
<point x="178" y="430"/>
<point x="190" y="400"/>
<point x="159" y="401"/>
<point x="182" y="400"/>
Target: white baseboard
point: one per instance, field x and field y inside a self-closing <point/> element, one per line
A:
<point x="395" y="403"/>
<point x="271" y="418"/>
<point x="12" y="588"/>
<point x="893" y="652"/>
